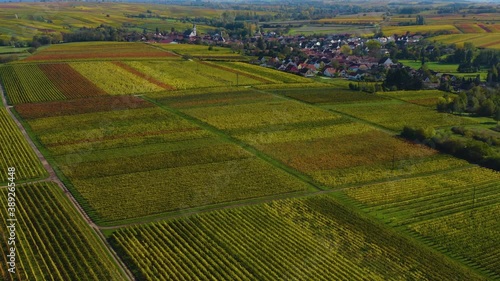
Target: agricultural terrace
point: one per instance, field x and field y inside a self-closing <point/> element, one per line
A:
<point x="180" y="165"/>
<point x="52" y="239"/>
<point x="299" y="239"/>
<point x="455" y="212"/>
<point x="99" y="51"/>
<point x="310" y="139"/>
<point x="388" y="114"/>
<point x="16" y="152"/>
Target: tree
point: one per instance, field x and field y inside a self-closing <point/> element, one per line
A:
<point x="187" y="57"/>
<point x="345" y="49"/>
<point x="497" y="115"/>
<point x="420" y="20"/>
<point x="373" y="47"/>
<point x="261" y="44"/>
<point x="487" y="108"/>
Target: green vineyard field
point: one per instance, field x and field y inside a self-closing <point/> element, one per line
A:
<point x="16" y="152"/>
<point x="53" y="242"/>
<point x="457" y="211"/>
<point x="305" y="239"/>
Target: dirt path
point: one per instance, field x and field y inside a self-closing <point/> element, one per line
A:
<point x="53" y="177"/>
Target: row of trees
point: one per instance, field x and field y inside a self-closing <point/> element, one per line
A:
<point x="477" y="101"/>
<point x="468" y="148"/>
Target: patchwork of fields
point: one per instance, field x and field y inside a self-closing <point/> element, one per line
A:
<point x="212" y="149"/>
<point x="159" y="161"/>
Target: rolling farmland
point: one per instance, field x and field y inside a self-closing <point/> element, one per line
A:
<point x="229" y="171"/>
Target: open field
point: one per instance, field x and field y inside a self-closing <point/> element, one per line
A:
<point x="454" y="211"/>
<point x="445" y="68"/>
<point x="311" y="238"/>
<point x="15" y="152"/>
<point x="52" y="239"/>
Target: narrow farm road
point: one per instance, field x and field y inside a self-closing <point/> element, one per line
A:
<point x="54" y="178"/>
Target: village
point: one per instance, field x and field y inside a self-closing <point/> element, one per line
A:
<point x="333" y="56"/>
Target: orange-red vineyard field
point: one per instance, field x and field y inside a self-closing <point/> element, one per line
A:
<point x="71" y="83"/>
<point x="96" y="104"/>
<point x="51" y="57"/>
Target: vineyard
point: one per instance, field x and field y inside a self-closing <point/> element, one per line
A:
<point x="427" y="98"/>
<point x="306" y="239"/>
<point x="387" y="114"/>
<point x="486" y="40"/>
<point x="89" y="105"/>
<point x="28" y="83"/>
<point x="70" y="82"/>
<point x="113" y="79"/>
<point x="224" y="170"/>
<point x="331" y="150"/>
<point x="16" y="152"/>
<point x="183" y="74"/>
<point x="456" y="212"/>
<point x="327" y="95"/>
<point x="99" y="51"/>
<point x="266" y="73"/>
<point x="402" y="30"/>
<point x="179" y="164"/>
<point x="201" y="51"/>
<point x="53" y="241"/>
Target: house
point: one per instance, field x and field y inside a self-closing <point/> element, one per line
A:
<point x="386" y="62"/>
<point x="330" y="72"/>
<point x="307" y="72"/>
